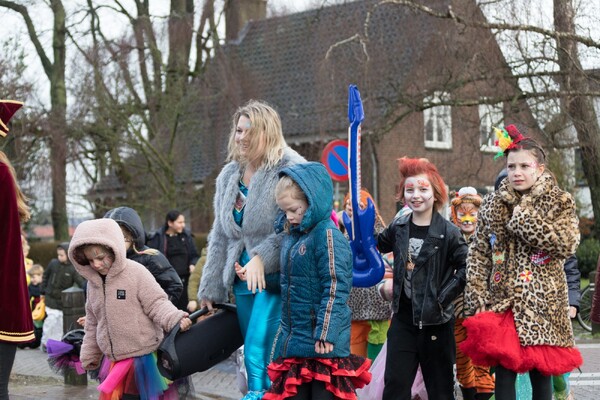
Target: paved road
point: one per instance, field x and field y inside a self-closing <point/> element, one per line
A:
<point x="33" y="379"/>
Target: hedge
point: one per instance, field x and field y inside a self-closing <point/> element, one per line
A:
<point x="587" y="256"/>
<point x="42" y="252"/>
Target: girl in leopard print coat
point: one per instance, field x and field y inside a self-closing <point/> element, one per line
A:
<point x="516" y="284"/>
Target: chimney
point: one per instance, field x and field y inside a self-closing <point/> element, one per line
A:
<point x="239" y="12"/>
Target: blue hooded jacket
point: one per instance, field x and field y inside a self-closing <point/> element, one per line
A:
<point x="316" y="272"/>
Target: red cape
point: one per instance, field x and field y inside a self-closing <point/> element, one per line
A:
<point x="16" y="324"/>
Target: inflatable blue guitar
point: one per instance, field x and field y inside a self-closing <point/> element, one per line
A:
<point x="368" y="266"/>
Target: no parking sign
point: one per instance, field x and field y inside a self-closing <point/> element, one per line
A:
<point x="335" y="159"/>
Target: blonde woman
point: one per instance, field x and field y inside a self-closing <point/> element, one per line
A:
<point x="243" y="248"/>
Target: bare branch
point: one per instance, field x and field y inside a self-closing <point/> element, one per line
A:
<point x="46" y="63"/>
<point x="450" y="14"/>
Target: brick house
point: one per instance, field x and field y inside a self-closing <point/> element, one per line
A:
<point x="402" y="61"/>
<point x="303" y="63"/>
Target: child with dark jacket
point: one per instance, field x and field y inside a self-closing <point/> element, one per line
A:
<point x="127" y="312"/>
<point x="316" y="277"/>
<point x="135" y="243"/>
<point x="58" y="276"/>
<point x="429" y="273"/>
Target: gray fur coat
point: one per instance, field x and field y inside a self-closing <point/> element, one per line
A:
<point x="227" y="240"/>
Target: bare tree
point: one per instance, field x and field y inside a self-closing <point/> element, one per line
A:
<point x="545" y="68"/>
<point x="57" y="121"/>
<point x="129" y="121"/>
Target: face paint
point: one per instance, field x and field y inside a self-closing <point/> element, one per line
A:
<point x="294" y="208"/>
<point x="466" y="215"/>
<point x="523" y="170"/>
<point x="418" y="194"/>
<point x="98" y="259"/>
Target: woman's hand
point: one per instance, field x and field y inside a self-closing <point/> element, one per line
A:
<point x="81" y="321"/>
<point x="572" y="312"/>
<point x="322" y="347"/>
<point x="254" y="274"/>
<point x="207" y="303"/>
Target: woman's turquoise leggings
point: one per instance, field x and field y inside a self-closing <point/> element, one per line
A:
<point x="259" y="316"/>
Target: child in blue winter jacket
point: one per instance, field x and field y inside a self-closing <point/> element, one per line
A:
<point x="316" y="277"/>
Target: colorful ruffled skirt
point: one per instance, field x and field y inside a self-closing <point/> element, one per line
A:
<point x="492" y="340"/>
<point x="136" y="376"/>
<point x="342" y="376"/>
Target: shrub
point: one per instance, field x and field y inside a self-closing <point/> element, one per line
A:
<point x="586" y="227"/>
<point x="587" y="255"/>
<point x="42" y="252"/>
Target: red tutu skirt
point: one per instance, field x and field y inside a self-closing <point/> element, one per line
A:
<point x="492" y="340"/>
<point x="342" y="376"/>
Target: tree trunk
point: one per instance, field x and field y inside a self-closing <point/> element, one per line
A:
<point x="58" y="125"/>
<point x="580" y="108"/>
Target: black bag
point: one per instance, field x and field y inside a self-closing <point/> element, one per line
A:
<point x="204" y="345"/>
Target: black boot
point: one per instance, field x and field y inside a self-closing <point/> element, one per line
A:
<point x="468" y="393"/>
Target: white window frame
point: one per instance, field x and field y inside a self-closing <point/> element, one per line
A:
<point x="490" y="115"/>
<point x="440" y="119"/>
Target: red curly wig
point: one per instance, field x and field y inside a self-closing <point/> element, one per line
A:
<point x="421" y="166"/>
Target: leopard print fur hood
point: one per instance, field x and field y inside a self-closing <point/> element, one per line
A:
<point x="517" y="256"/>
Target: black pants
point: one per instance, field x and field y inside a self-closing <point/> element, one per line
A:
<point x="313" y="390"/>
<point x="7" y="358"/>
<point x="182" y="302"/>
<point x="541" y="385"/>
<point x="433" y="347"/>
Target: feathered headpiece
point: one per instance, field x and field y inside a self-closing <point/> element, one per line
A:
<point x="507" y="138"/>
<point x="7" y="109"/>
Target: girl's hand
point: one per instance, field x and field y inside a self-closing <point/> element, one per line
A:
<point x="322" y="347"/>
<point x="386" y="289"/>
<point x="572" y="312"/>
<point x="255" y="274"/>
<point x="185" y="323"/>
<point x="192" y="305"/>
<point x="240" y="271"/>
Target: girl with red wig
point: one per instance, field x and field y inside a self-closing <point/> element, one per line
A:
<point x="429" y="273"/>
<point x="516" y="283"/>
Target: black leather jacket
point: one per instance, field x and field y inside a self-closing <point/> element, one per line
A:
<point x="440" y="270"/>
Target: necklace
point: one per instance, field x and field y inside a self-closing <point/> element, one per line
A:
<point x="410" y="265"/>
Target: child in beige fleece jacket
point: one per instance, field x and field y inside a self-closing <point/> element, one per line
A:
<point x="126" y="310"/>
